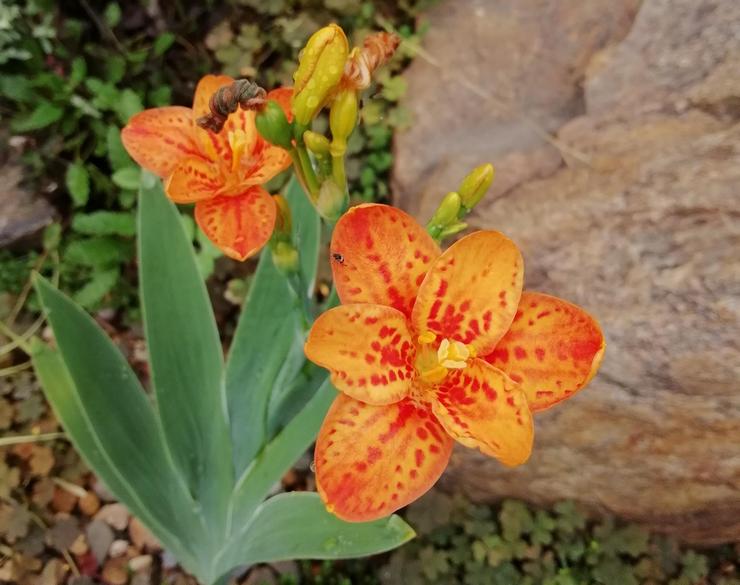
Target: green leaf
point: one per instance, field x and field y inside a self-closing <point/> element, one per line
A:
<point x="112" y="14"/>
<point x="98" y="252"/>
<point x="117" y="155"/>
<point x="185" y="354"/>
<point x="77" y="180"/>
<point x="105" y="223"/>
<point x="110" y="420"/>
<point x="306" y="232"/>
<point x="52" y="236"/>
<point x="297" y="526"/>
<point x="163" y="42"/>
<point x="127" y="178"/>
<point x="101" y="283"/>
<point x="42" y="116"/>
<point x="77" y="71"/>
<point x="271" y="312"/>
<point x="277" y="457"/>
<point x="128" y="103"/>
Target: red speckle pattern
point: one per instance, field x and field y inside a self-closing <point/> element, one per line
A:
<point x="481" y="407"/>
<point x="383" y="462"/>
<point x="239" y="225"/>
<point x="368" y="349"/>
<point x="385" y="256"/>
<point x="471" y="292"/>
<point x="556" y="348"/>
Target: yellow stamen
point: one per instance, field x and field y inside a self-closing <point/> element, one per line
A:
<point x="451" y="355"/>
<point x="427" y="337"/>
<point x="238" y="143"/>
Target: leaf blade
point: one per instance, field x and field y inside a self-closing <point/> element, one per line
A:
<point x="297" y="526"/>
<point x="186" y="358"/>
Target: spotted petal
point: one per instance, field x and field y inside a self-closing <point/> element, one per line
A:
<point x="368" y="349"/>
<point x="373" y="460"/>
<point x="482" y="408"/>
<point x="471" y="292"/>
<point x="216" y="146"/>
<point x="159" y="138"/>
<point x="380" y="255"/>
<point x="553" y="349"/>
<point x="238" y="225"/>
<point x="193" y="179"/>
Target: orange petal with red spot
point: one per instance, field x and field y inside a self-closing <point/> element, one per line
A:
<point x="158" y="138"/>
<point x="373" y="460"/>
<point x="482" y="408"/>
<point x="552" y="349"/>
<point x="379" y="255"/>
<point x="216" y="146"/>
<point x="368" y="349"/>
<point x="268" y="161"/>
<point x="471" y="292"/>
<point x="193" y="179"/>
<point x="238" y="225"/>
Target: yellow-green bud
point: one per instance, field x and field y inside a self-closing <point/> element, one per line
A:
<point x="475" y="185"/>
<point x="332" y="200"/>
<point x="315" y="142"/>
<point x="447" y="211"/>
<point x="285" y="257"/>
<point x="342" y="120"/>
<point x="320" y="68"/>
<point x="274" y="126"/>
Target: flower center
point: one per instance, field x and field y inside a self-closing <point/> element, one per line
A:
<point x="238" y="141"/>
<point x="450" y="355"/>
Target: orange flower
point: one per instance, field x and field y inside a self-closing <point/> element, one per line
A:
<point x="221" y="173"/>
<point x="429" y="348"/>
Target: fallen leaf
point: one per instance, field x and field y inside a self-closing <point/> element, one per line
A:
<point x="42" y="460"/>
<point x="9" y="478"/>
<point x="14" y="521"/>
<point x="43" y="492"/>
<point x="64" y="532"/>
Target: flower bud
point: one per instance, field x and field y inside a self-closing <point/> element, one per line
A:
<point x="315" y="142"/>
<point x="342" y="120"/>
<point x="447" y="211"/>
<point x="274" y="126"/>
<point x="475" y="185"/>
<point x="285" y="257"/>
<point x="320" y="68"/>
<point x="332" y="200"/>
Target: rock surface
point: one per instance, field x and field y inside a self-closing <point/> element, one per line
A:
<point x="646" y="236"/>
<point x="22" y="215"/>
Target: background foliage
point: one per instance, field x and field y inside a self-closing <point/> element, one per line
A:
<point x="75" y="72"/>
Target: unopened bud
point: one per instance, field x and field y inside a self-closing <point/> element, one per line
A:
<point x="453" y="229"/>
<point x="315" y="142"/>
<point x="475" y="185"/>
<point x="342" y="120"/>
<point x="273" y="125"/>
<point x="446" y="215"/>
<point x="320" y="68"/>
<point x="332" y="200"/>
<point x="285" y="257"/>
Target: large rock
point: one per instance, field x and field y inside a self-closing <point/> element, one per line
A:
<point x="646" y="236"/>
<point x="22" y="214"/>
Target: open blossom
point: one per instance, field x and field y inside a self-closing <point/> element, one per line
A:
<point x="222" y="173"/>
<point x="429" y="348"/>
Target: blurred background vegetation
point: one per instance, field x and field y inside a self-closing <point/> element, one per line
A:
<point x="72" y="75"/>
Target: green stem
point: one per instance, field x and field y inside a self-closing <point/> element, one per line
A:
<point x="338" y="172"/>
<point x="307" y="167"/>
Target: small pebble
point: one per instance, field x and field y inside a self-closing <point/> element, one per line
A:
<point x="90" y="504"/>
<point x="115" y="515"/>
<point x="79" y="546"/>
<point x="118" y="548"/>
<point x="140" y="563"/>
<point x="115" y="572"/>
